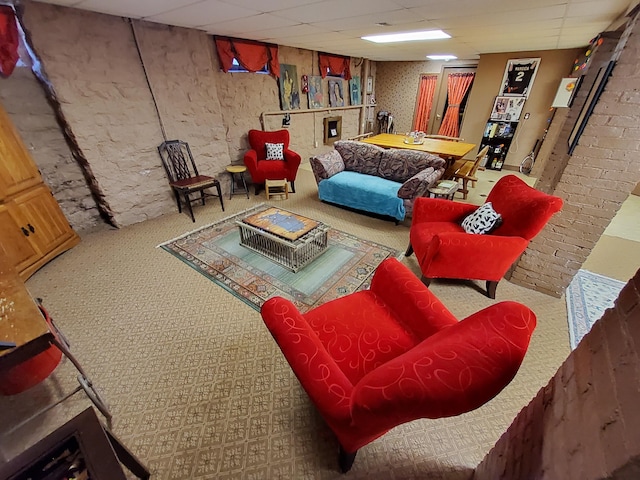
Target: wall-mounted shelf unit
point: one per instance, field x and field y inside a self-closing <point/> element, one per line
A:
<point x="498" y="136"/>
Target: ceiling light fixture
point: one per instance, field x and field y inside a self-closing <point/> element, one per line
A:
<point x="446" y="58"/>
<point x="407" y="36"/>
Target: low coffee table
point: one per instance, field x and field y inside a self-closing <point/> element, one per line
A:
<point x="444" y="189"/>
<point x="286" y="238"/>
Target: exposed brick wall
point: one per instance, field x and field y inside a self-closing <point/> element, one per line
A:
<point x="598" y="177"/>
<point x="585" y="424"/>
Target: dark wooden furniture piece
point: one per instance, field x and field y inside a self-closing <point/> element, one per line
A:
<point x="81" y="445"/>
<point x="183" y="175"/>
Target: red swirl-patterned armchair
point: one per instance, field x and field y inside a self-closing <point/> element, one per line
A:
<point x="444" y="250"/>
<point x="262" y="169"/>
<point x="378" y="358"/>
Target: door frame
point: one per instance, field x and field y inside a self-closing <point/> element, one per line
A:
<point x="440" y="95"/>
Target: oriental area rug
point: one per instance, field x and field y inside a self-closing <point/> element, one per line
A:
<point x="588" y="296"/>
<point x="214" y="251"/>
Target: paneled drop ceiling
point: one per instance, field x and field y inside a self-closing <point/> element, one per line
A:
<point x="335" y="26"/>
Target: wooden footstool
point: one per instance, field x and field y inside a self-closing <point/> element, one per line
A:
<point x="276" y="187"/>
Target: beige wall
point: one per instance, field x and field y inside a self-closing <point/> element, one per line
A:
<point x="554" y="65"/>
<point x="397" y="90"/>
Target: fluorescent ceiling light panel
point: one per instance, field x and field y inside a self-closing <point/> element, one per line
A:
<point x="442" y="57"/>
<point x="407" y="36"/>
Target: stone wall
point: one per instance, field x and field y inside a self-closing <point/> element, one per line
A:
<point x="111" y="74"/>
<point x="598" y="177"/>
<point x="585" y="424"/>
<point x="25" y="102"/>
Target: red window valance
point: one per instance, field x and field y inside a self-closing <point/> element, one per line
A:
<point x="251" y="55"/>
<point x="9" y="40"/>
<point x="334" y="65"/>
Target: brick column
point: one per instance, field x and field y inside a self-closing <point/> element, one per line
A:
<point x="597" y="178"/>
<point x="585" y="424"/>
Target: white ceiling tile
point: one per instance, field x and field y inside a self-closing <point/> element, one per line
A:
<point x="205" y="12"/>
<point x="270" y="5"/>
<point x="263" y="21"/>
<point x="597" y="8"/>
<point x="477" y="26"/>
<point x="137" y="9"/>
<point x="337" y="9"/>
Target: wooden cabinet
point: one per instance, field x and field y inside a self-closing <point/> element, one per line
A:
<point x="34" y="229"/>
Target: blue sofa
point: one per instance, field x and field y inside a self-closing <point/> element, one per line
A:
<point x="376" y="180"/>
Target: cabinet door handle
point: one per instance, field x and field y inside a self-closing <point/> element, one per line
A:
<point x="31" y="228"/>
<point x="25" y="231"/>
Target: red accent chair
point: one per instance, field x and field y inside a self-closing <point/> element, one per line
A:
<point x="444" y="250"/>
<point x="378" y="358"/>
<point x="261" y="169"/>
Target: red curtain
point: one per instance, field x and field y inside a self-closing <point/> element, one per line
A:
<point x="252" y="56"/>
<point x="334" y="64"/>
<point x="9" y="40"/>
<point x="457" y="86"/>
<point x="426" y="90"/>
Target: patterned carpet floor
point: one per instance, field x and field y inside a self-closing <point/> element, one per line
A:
<point x="199" y="389"/>
<point x="346" y="266"/>
<point x="588" y="296"/>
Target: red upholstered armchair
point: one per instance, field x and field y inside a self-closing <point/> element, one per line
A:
<point x="444" y="250"/>
<point x="262" y="169"/>
<point x="378" y="358"/>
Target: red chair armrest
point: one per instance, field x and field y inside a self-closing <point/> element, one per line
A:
<point x="410" y="300"/>
<point x="485" y="257"/>
<point x="440" y="210"/>
<point x="293" y="160"/>
<point x="251" y="161"/>
<point x="322" y="379"/>
<point x="455" y="371"/>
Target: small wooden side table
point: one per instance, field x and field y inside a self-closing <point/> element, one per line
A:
<point x="276" y="187"/>
<point x="444" y="189"/>
<point x="233" y="171"/>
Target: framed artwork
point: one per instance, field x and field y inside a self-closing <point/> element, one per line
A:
<point x="289" y="88"/>
<point x="354" y="91"/>
<point x="336" y="97"/>
<point x="566" y="92"/>
<point x="369" y="84"/>
<point x="315" y="95"/>
<point x="507" y="109"/>
<point x="589" y="104"/>
<point x="518" y="77"/>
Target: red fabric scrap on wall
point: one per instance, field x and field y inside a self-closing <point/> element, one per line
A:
<point x="252" y="56"/>
<point x="334" y="65"/>
<point x="9" y="40"/>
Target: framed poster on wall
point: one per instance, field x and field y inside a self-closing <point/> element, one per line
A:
<point x="518" y="77"/>
<point x="566" y="92"/>
<point x="507" y="109"/>
<point x="589" y="104"/>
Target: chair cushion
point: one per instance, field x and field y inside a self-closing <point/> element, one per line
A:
<point x="275" y="151"/>
<point x="482" y="220"/>
<point x="359" y="334"/>
<point x="201" y="181"/>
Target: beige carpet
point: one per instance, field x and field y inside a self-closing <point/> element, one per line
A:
<point x="197" y="386"/>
